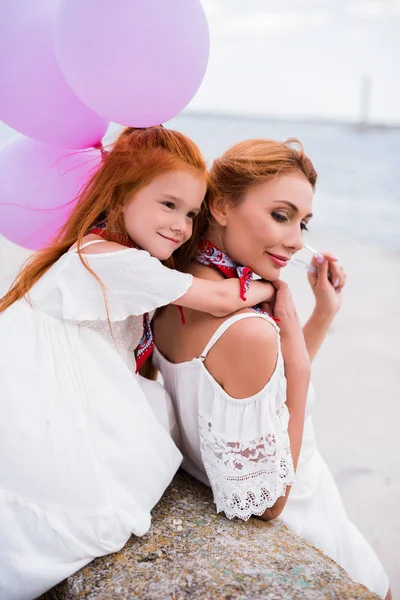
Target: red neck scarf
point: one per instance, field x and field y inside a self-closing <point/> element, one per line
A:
<point x="209" y="255"/>
<point x="146" y="344"/>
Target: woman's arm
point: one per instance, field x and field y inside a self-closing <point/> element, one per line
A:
<point x="326" y="284"/>
<point x="297" y="372"/>
<point x="221" y="298"/>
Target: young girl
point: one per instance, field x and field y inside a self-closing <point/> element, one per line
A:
<point x="83" y="457"/>
<point x="235" y="381"/>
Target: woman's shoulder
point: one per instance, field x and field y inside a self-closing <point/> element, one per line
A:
<point x="249" y="329"/>
<point x="245" y="357"/>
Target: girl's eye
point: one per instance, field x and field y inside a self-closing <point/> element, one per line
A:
<point x="168" y="204"/>
<point x="303" y="227"/>
<point x="191" y="215"/>
<point x="279" y="217"/>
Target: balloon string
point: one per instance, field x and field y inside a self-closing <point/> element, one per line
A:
<point x="103" y="151"/>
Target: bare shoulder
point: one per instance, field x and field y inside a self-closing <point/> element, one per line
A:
<point x="255" y="330"/>
<point x="244" y="358"/>
<point x="97" y="248"/>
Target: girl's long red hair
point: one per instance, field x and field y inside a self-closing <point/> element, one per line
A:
<point x="136" y="158"/>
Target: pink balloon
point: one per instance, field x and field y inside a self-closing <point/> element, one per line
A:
<point x="137" y="63"/>
<point x="35" y="99"/>
<point x="39" y="185"/>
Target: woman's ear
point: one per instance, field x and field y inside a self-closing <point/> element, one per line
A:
<point x="219" y="210"/>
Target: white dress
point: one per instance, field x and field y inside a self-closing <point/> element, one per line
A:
<point x="83" y="458"/>
<point x="241" y="449"/>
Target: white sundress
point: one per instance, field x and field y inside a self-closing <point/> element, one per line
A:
<point x="83" y="458"/>
<point x="241" y="449"/>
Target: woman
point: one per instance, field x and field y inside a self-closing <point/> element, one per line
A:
<point x="235" y="381"/>
<point x="83" y="458"/>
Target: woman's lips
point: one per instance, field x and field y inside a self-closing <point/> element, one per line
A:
<point x="280" y="261"/>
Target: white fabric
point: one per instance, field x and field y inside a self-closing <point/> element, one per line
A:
<point x="242" y="445"/>
<point x="316" y="513"/>
<point x="83" y="459"/>
<point x="314" y="509"/>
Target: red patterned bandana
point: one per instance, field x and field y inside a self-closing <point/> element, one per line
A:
<point x="209" y="255"/>
<point x="146" y="344"/>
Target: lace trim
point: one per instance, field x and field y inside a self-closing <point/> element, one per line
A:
<point x="247" y="477"/>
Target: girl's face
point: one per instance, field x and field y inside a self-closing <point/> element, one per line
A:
<point x="266" y="229"/>
<point x="159" y="217"/>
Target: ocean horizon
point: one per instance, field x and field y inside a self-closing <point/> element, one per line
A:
<point x="357" y="194"/>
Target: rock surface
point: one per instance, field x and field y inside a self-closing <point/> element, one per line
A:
<point x="193" y="553"/>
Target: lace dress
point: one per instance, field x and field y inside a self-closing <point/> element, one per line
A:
<point x="83" y="458"/>
<point x="241" y="449"/>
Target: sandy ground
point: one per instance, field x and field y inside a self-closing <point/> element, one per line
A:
<point x="357" y="379"/>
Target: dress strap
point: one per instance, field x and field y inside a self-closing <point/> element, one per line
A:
<point x="86" y="244"/>
<point x="226" y="324"/>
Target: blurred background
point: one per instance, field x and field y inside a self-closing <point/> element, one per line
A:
<point x="326" y="72"/>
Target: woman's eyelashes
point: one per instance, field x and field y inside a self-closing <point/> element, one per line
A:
<point x="283" y="218"/>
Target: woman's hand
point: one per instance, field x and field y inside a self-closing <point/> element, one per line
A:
<point x="284" y="310"/>
<point x="327" y="284"/>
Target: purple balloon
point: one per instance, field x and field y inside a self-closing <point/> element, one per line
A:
<point x="39" y="185"/>
<point x="35" y="99"/>
<point x="137" y="63"/>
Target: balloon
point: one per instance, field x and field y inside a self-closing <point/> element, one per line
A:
<point x="35" y="99"/>
<point x="39" y="184"/>
<point x="137" y="63"/>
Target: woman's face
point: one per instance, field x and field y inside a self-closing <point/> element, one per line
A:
<point x="266" y="229"/>
<point x="159" y="217"/>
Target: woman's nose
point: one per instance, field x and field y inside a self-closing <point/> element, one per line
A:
<point x="295" y="242"/>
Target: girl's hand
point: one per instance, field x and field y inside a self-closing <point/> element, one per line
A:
<point x="327" y="284"/>
<point x="260" y="291"/>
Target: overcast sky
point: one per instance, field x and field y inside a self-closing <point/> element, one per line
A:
<point x="303" y="58"/>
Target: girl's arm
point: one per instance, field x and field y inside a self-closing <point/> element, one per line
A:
<point x="326" y="284"/>
<point x="221" y="298"/>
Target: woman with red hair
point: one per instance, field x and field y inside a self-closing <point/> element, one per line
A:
<point x="236" y="381"/>
<point x="84" y="458"/>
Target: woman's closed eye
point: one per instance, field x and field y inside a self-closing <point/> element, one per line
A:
<point x="283" y="218"/>
<point x="279" y="217"/>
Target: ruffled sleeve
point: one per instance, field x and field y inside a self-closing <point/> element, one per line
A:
<point x="245" y="448"/>
<point x="134" y="283"/>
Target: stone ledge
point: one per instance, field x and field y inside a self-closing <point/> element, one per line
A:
<point x="193" y="553"/>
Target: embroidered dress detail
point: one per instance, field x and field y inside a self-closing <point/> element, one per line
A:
<point x="146" y="344"/>
<point x="247" y="477"/>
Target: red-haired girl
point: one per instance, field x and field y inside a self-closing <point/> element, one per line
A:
<point x="84" y="459"/>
